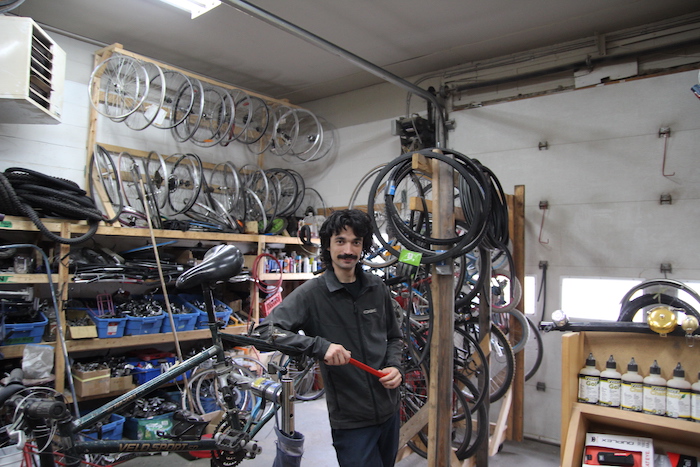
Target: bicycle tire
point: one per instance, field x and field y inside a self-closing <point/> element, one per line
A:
<point x="308" y="385"/>
<point x="504" y="325"/>
<point x="470" y="362"/>
<point x="184" y="183"/>
<point x="123" y="86"/>
<point x="501" y="365"/>
<point x="103" y="171"/>
<point x="535" y="345"/>
<point x="480" y="423"/>
<point x="630" y="309"/>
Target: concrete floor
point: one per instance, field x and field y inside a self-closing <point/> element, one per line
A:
<point x="312" y="420"/>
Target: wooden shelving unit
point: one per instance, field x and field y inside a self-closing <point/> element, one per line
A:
<point x="577" y="419"/>
<point x="20" y="227"/>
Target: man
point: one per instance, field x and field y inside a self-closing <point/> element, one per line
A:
<point x="345" y="313"/>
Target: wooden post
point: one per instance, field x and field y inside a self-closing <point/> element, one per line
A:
<point x="516" y="214"/>
<point x="442" y="327"/>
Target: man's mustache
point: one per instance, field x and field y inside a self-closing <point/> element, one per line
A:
<point x="348" y="256"/>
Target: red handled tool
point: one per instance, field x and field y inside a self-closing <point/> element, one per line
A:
<point x="367" y="368"/>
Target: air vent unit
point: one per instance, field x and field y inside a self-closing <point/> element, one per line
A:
<point x="32" y="73"/>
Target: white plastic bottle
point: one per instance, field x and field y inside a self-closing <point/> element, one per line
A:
<point x="695" y="400"/>
<point x="589" y="382"/>
<point x="654" y="401"/>
<point x="632" y="388"/>
<point x="678" y="395"/>
<point x="610" y="380"/>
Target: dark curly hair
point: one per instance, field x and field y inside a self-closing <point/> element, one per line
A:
<point x="358" y="221"/>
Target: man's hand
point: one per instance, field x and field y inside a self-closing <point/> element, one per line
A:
<point x="336" y="355"/>
<point x="392" y="378"/>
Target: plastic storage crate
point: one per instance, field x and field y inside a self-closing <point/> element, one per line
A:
<point x="136" y="326"/>
<point x="142" y="375"/>
<point x="11" y="456"/>
<point x="202" y="320"/>
<point x="25" y="333"/>
<point x="112" y="430"/>
<point x="108" y="327"/>
<point x="183" y="321"/>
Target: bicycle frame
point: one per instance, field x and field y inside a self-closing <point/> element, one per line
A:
<point x="279" y="393"/>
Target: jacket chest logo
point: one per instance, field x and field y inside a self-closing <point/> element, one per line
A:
<point x="369" y="310"/>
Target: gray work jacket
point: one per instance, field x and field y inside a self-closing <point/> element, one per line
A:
<point x="327" y="313"/>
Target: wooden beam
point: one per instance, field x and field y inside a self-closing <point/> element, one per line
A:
<point x="442" y="327"/>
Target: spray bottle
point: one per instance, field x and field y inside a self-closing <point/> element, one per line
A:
<point x="610" y="380"/>
<point x="589" y="382"/>
<point x="678" y="395"/>
<point x="632" y="388"/>
<point x="654" y="392"/>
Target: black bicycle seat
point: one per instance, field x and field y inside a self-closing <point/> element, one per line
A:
<point x="219" y="263"/>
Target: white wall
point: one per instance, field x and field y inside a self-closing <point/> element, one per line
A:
<point x="601" y="175"/>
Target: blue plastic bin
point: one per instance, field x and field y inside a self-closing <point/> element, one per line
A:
<point x="202" y="320"/>
<point x="108" y="327"/>
<point x="183" y="321"/>
<point x="144" y="325"/>
<point x="112" y="430"/>
<point x="142" y="375"/>
<point x="25" y="333"/>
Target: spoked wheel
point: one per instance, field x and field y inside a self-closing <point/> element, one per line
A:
<point x="187" y="110"/>
<point x="225" y="186"/>
<point x="104" y="179"/>
<point x="151" y="108"/>
<point x="534" y="351"/>
<point x="184" y="182"/>
<point x="156" y="174"/>
<point x="501" y="364"/>
<point x="217" y="117"/>
<point x="306" y="374"/>
<point x="128" y="185"/>
<point x="123" y="87"/>
<point x="414" y="396"/>
<point x="178" y="100"/>
<point x="257" y="119"/>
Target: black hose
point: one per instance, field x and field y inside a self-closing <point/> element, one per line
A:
<point x="25" y="192"/>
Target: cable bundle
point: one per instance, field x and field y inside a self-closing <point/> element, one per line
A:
<point x="24" y="192"/>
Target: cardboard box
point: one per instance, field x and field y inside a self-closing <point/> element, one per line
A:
<point x="91" y="383"/>
<point x="80" y="332"/>
<point x="121" y="384"/>
<point x="614" y="450"/>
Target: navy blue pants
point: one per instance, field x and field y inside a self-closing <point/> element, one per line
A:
<point x="372" y="446"/>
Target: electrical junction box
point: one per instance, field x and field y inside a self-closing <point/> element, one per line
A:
<point x="32" y="73"/>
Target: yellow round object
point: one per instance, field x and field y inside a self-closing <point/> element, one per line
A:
<point x="662" y="320"/>
<point x="690" y="324"/>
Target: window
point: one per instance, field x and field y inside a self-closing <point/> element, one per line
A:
<point x="598" y="299"/>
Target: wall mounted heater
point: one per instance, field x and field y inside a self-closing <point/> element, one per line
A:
<point x="32" y="73"/>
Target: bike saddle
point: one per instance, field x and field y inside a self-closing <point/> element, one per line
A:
<point x="219" y="263"/>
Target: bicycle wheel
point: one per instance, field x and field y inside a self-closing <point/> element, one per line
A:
<point x="104" y="179"/>
<point x="461" y="428"/>
<point x="501" y="365"/>
<point x="257" y="119"/>
<point x="156" y="174"/>
<point x="187" y="110"/>
<point x="128" y="185"/>
<point x="470" y="363"/>
<point x="225" y="185"/>
<point x="178" y="100"/>
<point x="503" y="321"/>
<point x="123" y="87"/>
<point x="152" y="105"/>
<point x="288" y="191"/>
<point x="306" y="373"/>
<point x="184" y="183"/>
<point x="378" y="256"/>
<point x="534" y="351"/>
<point x="216" y="117"/>
<point x="480" y="422"/>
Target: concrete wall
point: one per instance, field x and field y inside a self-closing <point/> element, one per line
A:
<point x="601" y="174"/>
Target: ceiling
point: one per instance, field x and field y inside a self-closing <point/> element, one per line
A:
<point x="405" y="37"/>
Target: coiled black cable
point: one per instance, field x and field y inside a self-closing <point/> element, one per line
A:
<point x="25" y="192"/>
<point x="417" y="241"/>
